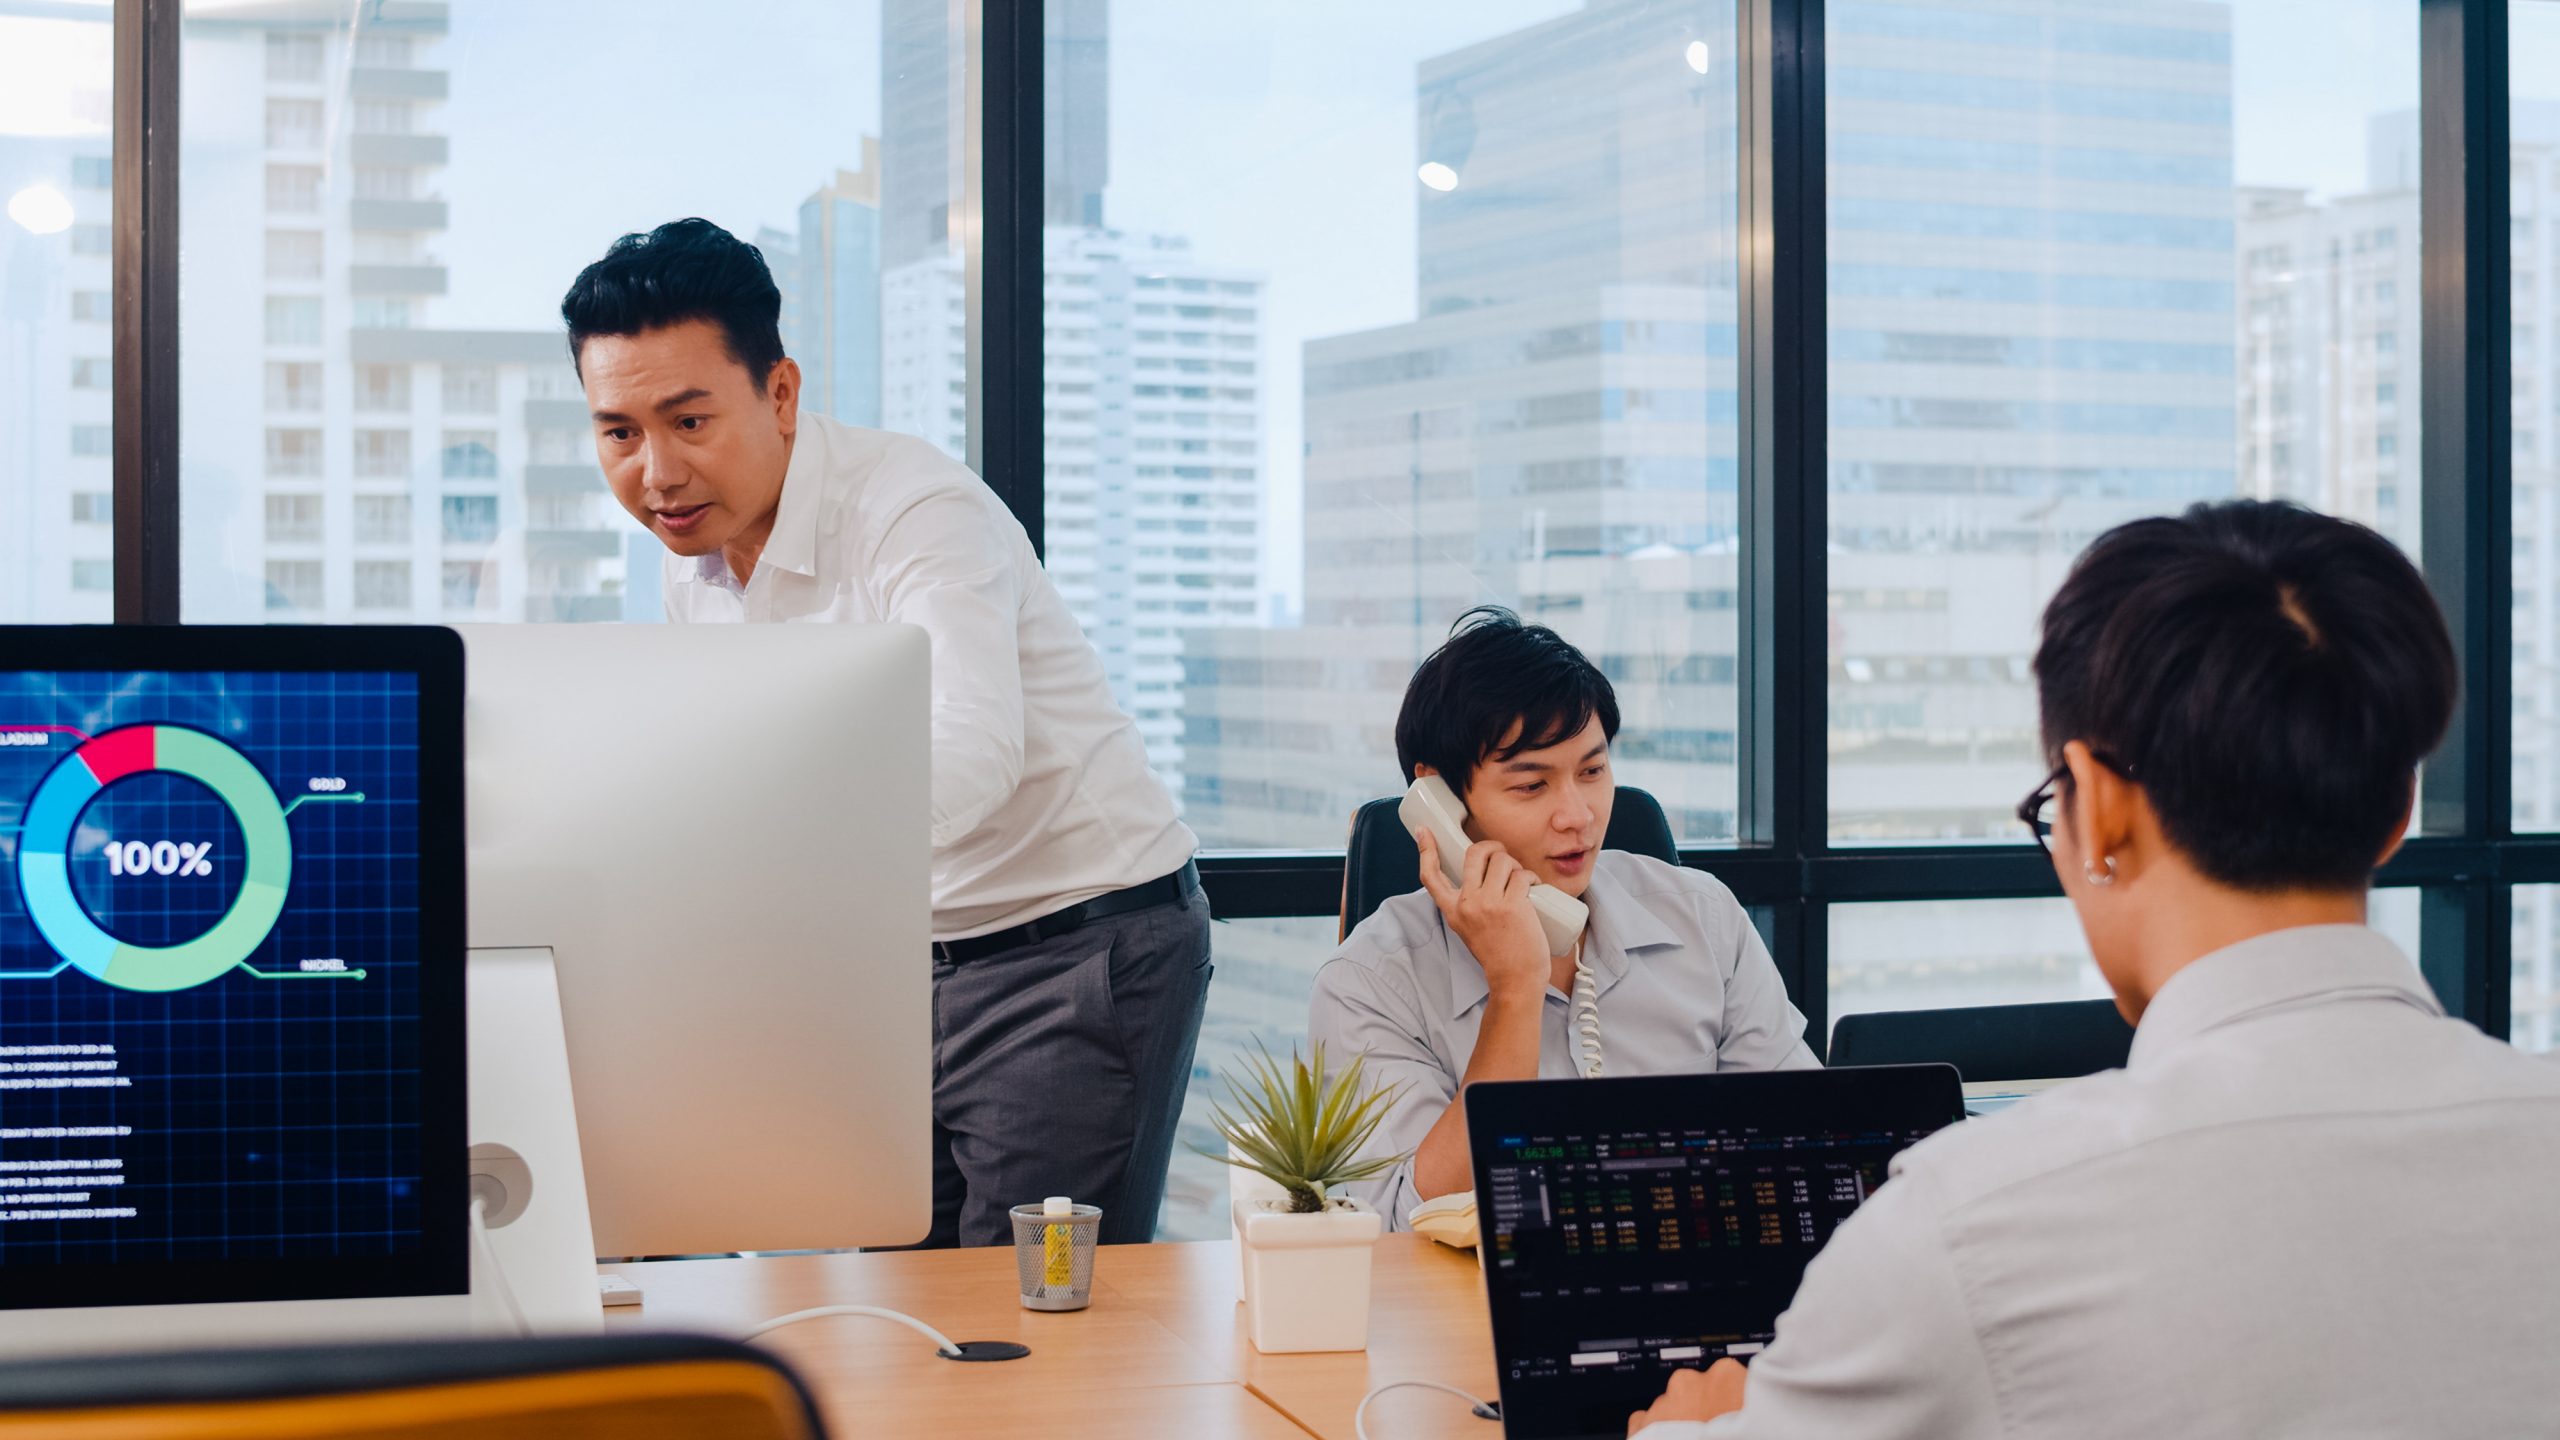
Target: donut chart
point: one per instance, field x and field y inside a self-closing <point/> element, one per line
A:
<point x="53" y="814"/>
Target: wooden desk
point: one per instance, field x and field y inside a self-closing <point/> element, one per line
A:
<point x="1160" y="1352"/>
<point x="1427" y="1321"/>
<point x="1110" y="1370"/>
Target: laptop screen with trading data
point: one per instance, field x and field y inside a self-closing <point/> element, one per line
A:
<point x="1635" y="1227"/>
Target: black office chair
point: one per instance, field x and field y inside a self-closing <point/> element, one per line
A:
<point x="1991" y="1042"/>
<point x="1384" y="861"/>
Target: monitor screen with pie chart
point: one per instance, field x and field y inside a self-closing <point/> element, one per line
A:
<point x="228" y="966"/>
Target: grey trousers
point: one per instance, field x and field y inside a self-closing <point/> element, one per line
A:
<point x="1059" y="1069"/>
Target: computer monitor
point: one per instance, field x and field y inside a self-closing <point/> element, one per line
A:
<point x="231" y="985"/>
<point x="723" y="835"/>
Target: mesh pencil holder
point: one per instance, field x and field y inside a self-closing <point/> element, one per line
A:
<point x="1054" y="1254"/>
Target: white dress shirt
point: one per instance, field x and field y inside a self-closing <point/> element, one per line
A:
<point x="1685" y="986"/>
<point x="2309" y="1206"/>
<point x="1041" y="793"/>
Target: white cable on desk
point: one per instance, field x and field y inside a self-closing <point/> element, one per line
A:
<point x="1360" y="1417"/>
<point x="489" y="1261"/>
<point x="942" y="1342"/>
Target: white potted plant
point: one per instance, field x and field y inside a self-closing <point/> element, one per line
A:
<point x="1306" y="1252"/>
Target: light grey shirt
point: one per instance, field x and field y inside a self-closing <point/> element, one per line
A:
<point x="1685" y="986"/>
<point x="2310" y="1205"/>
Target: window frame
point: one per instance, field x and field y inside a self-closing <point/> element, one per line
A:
<point x="2465" y="864"/>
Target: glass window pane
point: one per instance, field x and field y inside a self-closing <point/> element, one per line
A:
<point x="2533" y="285"/>
<point x="2534" y="1001"/>
<point x="1342" y="343"/>
<point x="2088" y="261"/>
<point x="293" y="519"/>
<point x="57" y="529"/>
<point x="384" y="207"/>
<point x="1266" y="971"/>
<point x="1946" y="954"/>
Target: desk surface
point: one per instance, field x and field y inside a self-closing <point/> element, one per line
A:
<point x="1427" y="1321"/>
<point x="1161" y="1351"/>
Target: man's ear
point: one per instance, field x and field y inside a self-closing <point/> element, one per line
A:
<point x="782" y="387"/>
<point x="2100" y="810"/>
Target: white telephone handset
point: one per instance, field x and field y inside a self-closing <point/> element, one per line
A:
<point x="1432" y="805"/>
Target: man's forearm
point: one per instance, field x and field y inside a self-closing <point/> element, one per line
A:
<point x="1506" y="1049"/>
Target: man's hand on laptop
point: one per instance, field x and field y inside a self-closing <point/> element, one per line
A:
<point x="1696" y="1395"/>
<point x="1492" y="916"/>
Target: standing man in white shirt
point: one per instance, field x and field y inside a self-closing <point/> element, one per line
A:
<point x="2310" y="1204"/>
<point x="1071" y="939"/>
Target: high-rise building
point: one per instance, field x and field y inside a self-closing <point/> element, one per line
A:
<point x="2328" y="353"/>
<point x="781" y="251"/>
<point x="1153" y="464"/>
<point x="1154" y="458"/>
<point x="923" y="115"/>
<point x="2534" y="368"/>
<point x="367" y="465"/>
<point x="924" y="346"/>
<point x="2534" y="374"/>
<point x="57" y="550"/>
<point x="833" y="316"/>
<point x="1075" y="132"/>
<point x="2011" y="373"/>
<point x="1152" y="370"/>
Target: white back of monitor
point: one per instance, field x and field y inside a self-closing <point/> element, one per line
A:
<point x="722" y="833"/>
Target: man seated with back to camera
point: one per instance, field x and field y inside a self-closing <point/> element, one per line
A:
<point x="1452" y="984"/>
<point x="2310" y="1204"/>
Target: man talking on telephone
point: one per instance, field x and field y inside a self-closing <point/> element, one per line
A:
<point x="1459" y="982"/>
<point x="1071" y="940"/>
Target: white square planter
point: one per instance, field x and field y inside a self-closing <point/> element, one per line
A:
<point x="1306" y="1276"/>
<point x="1243" y="1188"/>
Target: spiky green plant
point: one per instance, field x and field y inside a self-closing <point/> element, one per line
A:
<point x="1302" y="1125"/>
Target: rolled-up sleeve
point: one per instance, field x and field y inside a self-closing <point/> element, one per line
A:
<point x="942" y="566"/>
<point x="1357" y="1010"/>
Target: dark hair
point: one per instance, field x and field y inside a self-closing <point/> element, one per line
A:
<point x="683" y="270"/>
<point x="1492" y="673"/>
<point x="2269" y="675"/>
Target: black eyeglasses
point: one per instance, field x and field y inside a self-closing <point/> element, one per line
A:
<point x="2043" y="804"/>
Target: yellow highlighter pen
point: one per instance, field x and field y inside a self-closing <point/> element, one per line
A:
<point x="1058" y="1244"/>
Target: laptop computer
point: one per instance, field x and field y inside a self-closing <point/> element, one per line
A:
<point x="1634" y="1227"/>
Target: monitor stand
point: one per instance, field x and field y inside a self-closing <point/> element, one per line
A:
<point x="524" y="1151"/>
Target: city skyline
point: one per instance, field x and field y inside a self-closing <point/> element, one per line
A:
<point x="556" y="507"/>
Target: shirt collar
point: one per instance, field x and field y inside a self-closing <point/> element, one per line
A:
<point x="793" y="545"/>
<point x="2286" y="969"/>
<point x="1620" y="924"/>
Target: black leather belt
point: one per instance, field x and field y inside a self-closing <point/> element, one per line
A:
<point x="1164" y="890"/>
